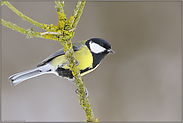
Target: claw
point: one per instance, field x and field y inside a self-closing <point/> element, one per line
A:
<point x="76" y="91"/>
<point x="68" y="64"/>
<point x="77" y="63"/>
<point x="86" y="92"/>
<point x="60" y="65"/>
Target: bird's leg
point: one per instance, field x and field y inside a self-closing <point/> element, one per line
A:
<point x="61" y="65"/>
<point x="77" y="63"/>
<point x="77" y="92"/>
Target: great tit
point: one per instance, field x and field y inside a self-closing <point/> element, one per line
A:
<point x="89" y="54"/>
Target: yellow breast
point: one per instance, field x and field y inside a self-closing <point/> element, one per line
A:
<point x="84" y="57"/>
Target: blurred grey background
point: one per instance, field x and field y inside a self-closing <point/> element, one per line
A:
<point x="140" y="82"/>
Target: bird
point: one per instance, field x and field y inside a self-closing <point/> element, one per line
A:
<point x="88" y="53"/>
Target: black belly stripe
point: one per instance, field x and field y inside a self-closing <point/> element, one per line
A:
<point x="64" y="72"/>
<point x="67" y="73"/>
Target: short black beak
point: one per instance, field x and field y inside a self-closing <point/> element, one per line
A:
<point x="110" y="51"/>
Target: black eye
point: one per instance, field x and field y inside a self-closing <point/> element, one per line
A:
<point x="102" y="45"/>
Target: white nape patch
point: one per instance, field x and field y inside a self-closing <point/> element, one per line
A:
<point x="96" y="48"/>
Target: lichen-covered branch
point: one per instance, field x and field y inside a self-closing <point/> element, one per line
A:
<point x="59" y="6"/>
<point x="64" y="31"/>
<point x="24" y="17"/>
<point x="77" y="13"/>
<point x="66" y="41"/>
<point x="29" y="32"/>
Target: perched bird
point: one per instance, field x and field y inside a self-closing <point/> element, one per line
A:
<point x="88" y="53"/>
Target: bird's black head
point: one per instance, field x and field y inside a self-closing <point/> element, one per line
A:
<point x="98" y="45"/>
<point x="99" y="49"/>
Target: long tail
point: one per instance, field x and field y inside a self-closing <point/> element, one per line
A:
<point x="22" y="76"/>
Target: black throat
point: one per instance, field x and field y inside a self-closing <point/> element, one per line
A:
<point x="97" y="57"/>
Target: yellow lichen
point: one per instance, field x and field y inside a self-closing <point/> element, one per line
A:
<point x="71" y="19"/>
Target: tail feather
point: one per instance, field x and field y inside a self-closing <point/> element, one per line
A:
<point x="22" y="76"/>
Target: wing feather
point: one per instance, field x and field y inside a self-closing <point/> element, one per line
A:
<point x="60" y="52"/>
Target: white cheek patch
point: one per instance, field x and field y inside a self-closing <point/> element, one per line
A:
<point x="96" y="48"/>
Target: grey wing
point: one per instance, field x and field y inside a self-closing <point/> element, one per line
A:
<point x="58" y="53"/>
